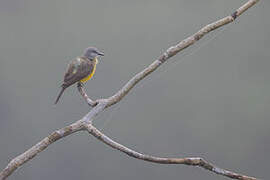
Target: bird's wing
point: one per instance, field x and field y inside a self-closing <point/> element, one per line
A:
<point x="77" y="69"/>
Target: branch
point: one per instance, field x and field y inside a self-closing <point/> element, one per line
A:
<point x="176" y="49"/>
<point x="101" y="104"/>
<point x="81" y="90"/>
<point x="39" y="147"/>
<point x="192" y="161"/>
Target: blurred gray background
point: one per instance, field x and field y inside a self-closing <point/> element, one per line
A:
<point x="212" y="100"/>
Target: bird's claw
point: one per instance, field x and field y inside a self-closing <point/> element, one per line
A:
<point x="79" y="84"/>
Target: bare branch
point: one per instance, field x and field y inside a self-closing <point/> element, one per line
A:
<point x="39" y="147"/>
<point x="89" y="101"/>
<point x="176" y="49"/>
<point x="191" y="161"/>
<point x="101" y="104"/>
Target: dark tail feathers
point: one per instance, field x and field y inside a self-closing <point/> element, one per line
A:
<point x="60" y="94"/>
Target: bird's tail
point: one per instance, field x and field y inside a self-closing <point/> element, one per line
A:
<point x="60" y="94"/>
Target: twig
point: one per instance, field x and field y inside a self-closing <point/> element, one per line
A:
<point x="101" y="104"/>
<point x="89" y="101"/>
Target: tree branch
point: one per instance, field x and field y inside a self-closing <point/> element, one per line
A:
<point x="81" y="90"/>
<point x="191" y="161"/>
<point x="101" y="104"/>
<point x="173" y="50"/>
<point x="39" y="147"/>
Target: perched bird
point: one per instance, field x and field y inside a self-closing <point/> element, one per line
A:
<point x="81" y="69"/>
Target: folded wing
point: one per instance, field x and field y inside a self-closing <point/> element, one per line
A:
<point x="78" y="69"/>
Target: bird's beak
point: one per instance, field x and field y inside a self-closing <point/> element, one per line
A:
<point x="100" y="53"/>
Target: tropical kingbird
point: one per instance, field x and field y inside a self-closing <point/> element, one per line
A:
<point x="81" y="69"/>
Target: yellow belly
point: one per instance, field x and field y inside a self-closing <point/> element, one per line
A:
<point x="90" y="75"/>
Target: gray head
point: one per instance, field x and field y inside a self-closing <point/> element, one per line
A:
<point x="92" y="52"/>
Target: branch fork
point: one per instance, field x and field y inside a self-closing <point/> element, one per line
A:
<point x="85" y="124"/>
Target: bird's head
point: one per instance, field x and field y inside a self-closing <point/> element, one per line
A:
<point x="92" y="52"/>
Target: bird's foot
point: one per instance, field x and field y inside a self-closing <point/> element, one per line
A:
<point x="79" y="84"/>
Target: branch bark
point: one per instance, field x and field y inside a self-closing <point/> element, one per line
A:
<point x="191" y="161"/>
<point x="101" y="104"/>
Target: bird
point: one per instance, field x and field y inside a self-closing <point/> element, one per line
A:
<point x="80" y="69"/>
